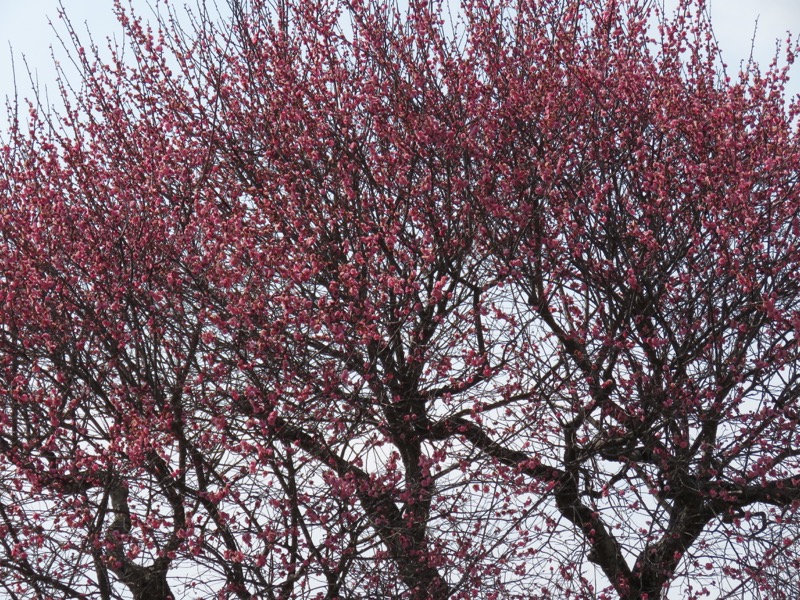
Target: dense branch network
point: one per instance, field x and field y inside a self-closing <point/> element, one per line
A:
<point x="348" y="300"/>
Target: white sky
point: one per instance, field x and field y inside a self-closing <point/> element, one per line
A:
<point x="24" y="26"/>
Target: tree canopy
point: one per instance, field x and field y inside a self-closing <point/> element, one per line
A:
<point x="348" y="299"/>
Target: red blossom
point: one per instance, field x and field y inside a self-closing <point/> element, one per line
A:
<point x="342" y="299"/>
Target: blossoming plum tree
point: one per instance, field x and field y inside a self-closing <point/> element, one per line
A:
<point x="341" y="299"/>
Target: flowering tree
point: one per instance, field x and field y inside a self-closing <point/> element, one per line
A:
<point x="348" y="300"/>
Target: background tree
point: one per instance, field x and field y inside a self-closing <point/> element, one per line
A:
<point x="343" y="300"/>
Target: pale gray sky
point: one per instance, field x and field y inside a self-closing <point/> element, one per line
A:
<point x="24" y="25"/>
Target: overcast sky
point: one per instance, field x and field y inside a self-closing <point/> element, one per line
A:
<point x="24" y="27"/>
